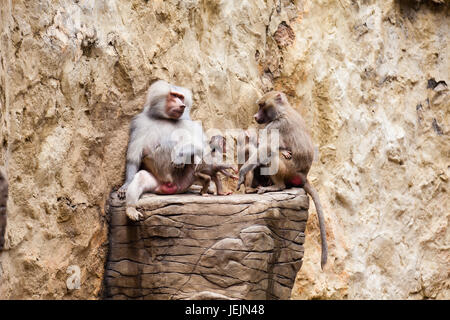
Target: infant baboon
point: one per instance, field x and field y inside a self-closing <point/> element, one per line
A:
<point x="212" y="164"/>
<point x="254" y="180"/>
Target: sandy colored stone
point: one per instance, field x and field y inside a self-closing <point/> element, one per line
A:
<point x="178" y="253"/>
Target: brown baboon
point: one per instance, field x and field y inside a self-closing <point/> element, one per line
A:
<point x="275" y="112"/>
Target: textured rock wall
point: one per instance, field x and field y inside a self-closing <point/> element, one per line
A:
<point x="73" y="73"/>
<point x="383" y="144"/>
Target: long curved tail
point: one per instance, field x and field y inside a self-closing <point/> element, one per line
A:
<point x="323" y="235"/>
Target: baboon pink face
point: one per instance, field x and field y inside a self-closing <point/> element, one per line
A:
<point x="175" y="105"/>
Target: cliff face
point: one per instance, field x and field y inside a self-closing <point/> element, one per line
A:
<point x="73" y="73"/>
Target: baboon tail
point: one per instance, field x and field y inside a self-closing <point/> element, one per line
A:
<point x="315" y="197"/>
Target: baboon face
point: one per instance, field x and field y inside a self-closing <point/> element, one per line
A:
<point x="175" y="105"/>
<point x="268" y="105"/>
<point x="218" y="142"/>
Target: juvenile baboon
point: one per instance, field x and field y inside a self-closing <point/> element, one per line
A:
<point x="212" y="164"/>
<point x="275" y="112"/>
<point x="254" y="180"/>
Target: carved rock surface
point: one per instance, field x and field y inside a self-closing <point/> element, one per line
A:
<point x="193" y="247"/>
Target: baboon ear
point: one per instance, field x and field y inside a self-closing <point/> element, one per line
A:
<point x="279" y="98"/>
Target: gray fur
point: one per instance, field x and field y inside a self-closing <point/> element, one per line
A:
<point x="151" y="133"/>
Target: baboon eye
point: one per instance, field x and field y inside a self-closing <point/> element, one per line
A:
<point x="179" y="96"/>
<point x="261" y="105"/>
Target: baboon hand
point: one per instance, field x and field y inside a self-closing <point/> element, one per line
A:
<point x="133" y="214"/>
<point x="287" y="154"/>
<point x="122" y="192"/>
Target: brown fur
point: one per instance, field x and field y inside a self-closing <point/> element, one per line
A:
<point x="275" y="112"/>
<point x="207" y="171"/>
<point x="253" y="178"/>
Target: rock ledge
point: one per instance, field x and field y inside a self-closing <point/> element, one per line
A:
<point x="193" y="247"/>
